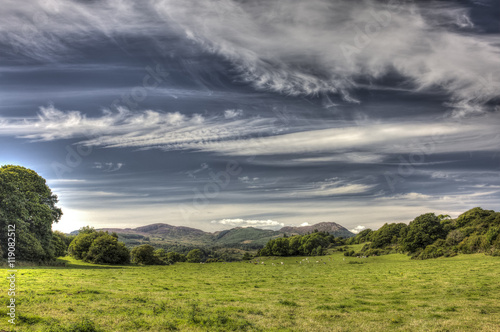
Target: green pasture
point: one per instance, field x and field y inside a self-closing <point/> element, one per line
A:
<point x="330" y="293"/>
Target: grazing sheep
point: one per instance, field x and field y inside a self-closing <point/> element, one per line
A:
<point x="282" y="263"/>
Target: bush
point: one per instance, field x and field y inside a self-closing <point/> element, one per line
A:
<point x="98" y="247"/>
<point x="195" y="256"/>
<point x="421" y="232"/>
<point x="107" y="250"/>
<point x="174" y="257"/>
<point x="145" y="255"/>
<point x="349" y="253"/>
<point x="474" y="243"/>
<point x="434" y="250"/>
<point x="454" y="237"/>
<point x="80" y="245"/>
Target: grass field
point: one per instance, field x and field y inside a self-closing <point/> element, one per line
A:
<point x="387" y="293"/>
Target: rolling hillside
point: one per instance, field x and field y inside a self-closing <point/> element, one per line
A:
<point x="239" y="236"/>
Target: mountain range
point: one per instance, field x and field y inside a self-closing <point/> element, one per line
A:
<point x="239" y="236"/>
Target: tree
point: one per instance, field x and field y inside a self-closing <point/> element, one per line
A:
<point x="145" y="255"/>
<point x="174" y="257"/>
<point x="80" y="245"/>
<point x="422" y="231"/>
<point x="387" y="235"/>
<point x="106" y="249"/>
<point x="195" y="256"/>
<point x="59" y="243"/>
<point x="28" y="203"/>
<point x="98" y="247"/>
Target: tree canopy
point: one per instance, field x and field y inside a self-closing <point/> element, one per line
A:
<point x="421" y="232"/>
<point x="314" y="244"/>
<point x="145" y="255"/>
<point x="98" y="247"/>
<point x="28" y="203"/>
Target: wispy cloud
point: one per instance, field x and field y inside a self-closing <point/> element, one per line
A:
<point x="289" y="47"/>
<point x="229" y="114"/>
<point x="281" y="46"/>
<point x="329" y="187"/>
<point x="365" y="143"/>
<point x="108" y="167"/>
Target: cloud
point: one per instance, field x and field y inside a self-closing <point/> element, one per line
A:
<point x="372" y="140"/>
<point x="293" y="47"/>
<point x="108" y="167"/>
<point x="230" y="114"/>
<point x="65" y="181"/>
<point x="264" y="224"/>
<point x="123" y="128"/>
<point x="298" y="48"/>
<point x="357" y="229"/>
<point x="408" y="196"/>
<point x="328" y="187"/>
<point x="369" y="142"/>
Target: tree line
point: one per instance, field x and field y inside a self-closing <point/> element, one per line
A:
<point x="314" y="244"/>
<point x="431" y="236"/>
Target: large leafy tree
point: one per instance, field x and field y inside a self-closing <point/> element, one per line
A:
<point x="98" y="247"/>
<point x="195" y="256"/>
<point x="28" y="203"/>
<point x="422" y="231"/>
<point x="387" y="235"/>
<point x="107" y="250"/>
<point x="145" y="254"/>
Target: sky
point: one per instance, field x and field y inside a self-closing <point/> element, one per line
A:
<point x="227" y="113"/>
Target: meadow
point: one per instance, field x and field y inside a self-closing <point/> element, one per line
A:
<point x="386" y="293"/>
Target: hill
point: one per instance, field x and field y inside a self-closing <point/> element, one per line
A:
<point x="245" y="237"/>
<point x="329" y="227"/>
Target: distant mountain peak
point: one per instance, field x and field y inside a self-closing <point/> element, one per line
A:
<point x="330" y="227"/>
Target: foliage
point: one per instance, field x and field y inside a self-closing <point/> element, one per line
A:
<point x="146" y="255"/>
<point x="59" y="244"/>
<point x="431" y="236"/>
<point x="195" y="256"/>
<point x="422" y="231"/>
<point x="175" y="257"/>
<point x="106" y="249"/>
<point x="80" y="245"/>
<point x="361" y="237"/>
<point x="28" y="203"/>
<point x="389" y="234"/>
<point x="98" y="247"/>
<point x="314" y="244"/>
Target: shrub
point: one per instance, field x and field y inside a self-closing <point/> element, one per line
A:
<point x="145" y="255"/>
<point x="421" y="232"/>
<point x="195" y="256"/>
<point x="107" y="250"/>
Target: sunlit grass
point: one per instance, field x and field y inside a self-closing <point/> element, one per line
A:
<point x="382" y="293"/>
